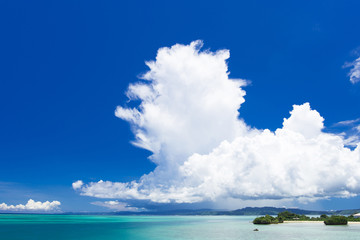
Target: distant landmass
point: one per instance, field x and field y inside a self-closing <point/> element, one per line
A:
<point x="248" y="211"/>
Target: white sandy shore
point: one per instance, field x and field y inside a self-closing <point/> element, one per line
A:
<point x="315" y="222"/>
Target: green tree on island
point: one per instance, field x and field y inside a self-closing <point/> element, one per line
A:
<point x="267" y="219"/>
<point x="336" y="220"/>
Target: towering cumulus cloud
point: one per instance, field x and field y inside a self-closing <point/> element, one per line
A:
<point x="188" y="117"/>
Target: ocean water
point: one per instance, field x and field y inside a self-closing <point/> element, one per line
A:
<point x="79" y="227"/>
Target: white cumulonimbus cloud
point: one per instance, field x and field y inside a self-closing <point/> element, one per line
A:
<point x="32" y="205"/>
<point x="189" y="118"/>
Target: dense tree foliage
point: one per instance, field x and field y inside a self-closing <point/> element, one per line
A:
<point x="286" y="215"/>
<point x="289" y="216"/>
<point x="267" y="219"/>
<point x="336" y="220"/>
<point x="351" y="218"/>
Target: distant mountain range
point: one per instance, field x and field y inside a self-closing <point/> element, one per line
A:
<point x="248" y="211"/>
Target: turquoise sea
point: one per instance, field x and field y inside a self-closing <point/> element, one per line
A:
<point x="79" y="227"/>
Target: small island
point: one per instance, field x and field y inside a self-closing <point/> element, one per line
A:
<point x="289" y="216"/>
<point x="336" y="220"/>
<point x="267" y="219"/>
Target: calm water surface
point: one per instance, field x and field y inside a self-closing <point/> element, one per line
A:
<point x="76" y="227"/>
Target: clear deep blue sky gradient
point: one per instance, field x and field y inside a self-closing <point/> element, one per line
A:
<point x="65" y="65"/>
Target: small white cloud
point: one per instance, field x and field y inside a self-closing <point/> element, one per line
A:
<point x="357" y="128"/>
<point x="76" y="185"/>
<point x="32" y="205"/>
<point x="348" y="122"/>
<point x="118" y="206"/>
<point x="352" y="140"/>
<point x="350" y="131"/>
<point x="354" y="73"/>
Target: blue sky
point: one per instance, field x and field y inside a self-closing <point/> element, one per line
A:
<point x="66" y="66"/>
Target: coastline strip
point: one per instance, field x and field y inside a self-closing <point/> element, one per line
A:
<point x="315" y="222"/>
